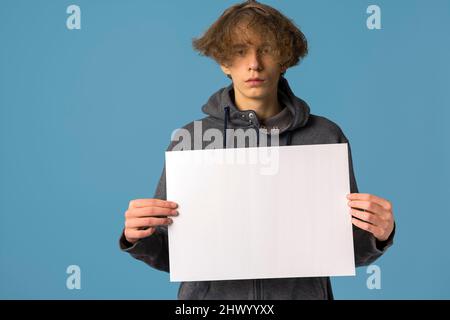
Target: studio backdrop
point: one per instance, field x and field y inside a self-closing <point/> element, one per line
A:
<point x="91" y="91"/>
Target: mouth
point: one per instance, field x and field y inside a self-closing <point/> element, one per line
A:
<point x="254" y="82"/>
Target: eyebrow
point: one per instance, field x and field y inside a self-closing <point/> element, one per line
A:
<point x="244" y="45"/>
<point x="239" y="45"/>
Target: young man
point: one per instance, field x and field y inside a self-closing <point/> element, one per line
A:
<point x="254" y="45"/>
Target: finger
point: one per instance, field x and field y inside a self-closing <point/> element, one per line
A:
<point x="147" y="222"/>
<point x="150" y="211"/>
<point x="366" y="216"/>
<point x="370" y="197"/>
<point x="138" y="234"/>
<point x="368" y="206"/>
<point x="367" y="227"/>
<point x="138" y="203"/>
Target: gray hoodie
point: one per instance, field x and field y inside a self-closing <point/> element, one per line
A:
<point x="296" y="127"/>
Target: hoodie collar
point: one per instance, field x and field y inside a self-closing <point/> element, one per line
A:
<point x="298" y="109"/>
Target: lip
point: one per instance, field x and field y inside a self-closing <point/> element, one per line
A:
<point x="254" y="82"/>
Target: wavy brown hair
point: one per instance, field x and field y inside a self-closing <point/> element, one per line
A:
<point x="289" y="44"/>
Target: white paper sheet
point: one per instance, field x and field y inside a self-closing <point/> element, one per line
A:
<point x="283" y="215"/>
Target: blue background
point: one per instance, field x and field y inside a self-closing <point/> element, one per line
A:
<point x="86" y="116"/>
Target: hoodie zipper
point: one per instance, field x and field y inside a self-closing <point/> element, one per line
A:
<point x="260" y="289"/>
<point x="257" y="289"/>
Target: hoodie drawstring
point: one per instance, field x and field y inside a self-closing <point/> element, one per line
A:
<point x="257" y="136"/>
<point x="225" y="125"/>
<point x="289" y="138"/>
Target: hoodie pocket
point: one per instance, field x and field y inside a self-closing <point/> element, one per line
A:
<point x="196" y="290"/>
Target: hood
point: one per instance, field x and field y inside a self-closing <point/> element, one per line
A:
<point x="217" y="103"/>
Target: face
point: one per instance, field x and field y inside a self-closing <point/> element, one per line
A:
<point x="254" y="60"/>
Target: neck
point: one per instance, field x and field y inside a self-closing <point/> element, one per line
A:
<point x="264" y="108"/>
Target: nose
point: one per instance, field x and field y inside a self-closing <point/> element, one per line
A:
<point x="254" y="62"/>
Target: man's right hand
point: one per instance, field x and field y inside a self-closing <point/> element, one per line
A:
<point x="143" y="215"/>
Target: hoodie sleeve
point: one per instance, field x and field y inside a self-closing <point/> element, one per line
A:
<point x="367" y="247"/>
<point x="153" y="250"/>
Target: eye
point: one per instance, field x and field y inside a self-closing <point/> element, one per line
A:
<point x="267" y="50"/>
<point x="240" y="52"/>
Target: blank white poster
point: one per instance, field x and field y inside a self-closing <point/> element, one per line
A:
<point x="253" y="213"/>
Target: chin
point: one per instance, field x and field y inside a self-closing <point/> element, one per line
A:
<point x="256" y="95"/>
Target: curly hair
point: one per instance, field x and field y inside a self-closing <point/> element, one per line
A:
<point x="286" y="39"/>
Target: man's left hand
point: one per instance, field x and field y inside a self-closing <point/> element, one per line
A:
<point x="374" y="214"/>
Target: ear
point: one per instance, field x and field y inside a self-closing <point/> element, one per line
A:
<point x="225" y="70"/>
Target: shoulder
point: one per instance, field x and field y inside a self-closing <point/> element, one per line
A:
<point x="192" y="133"/>
<point x="325" y="129"/>
<point x="198" y="124"/>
